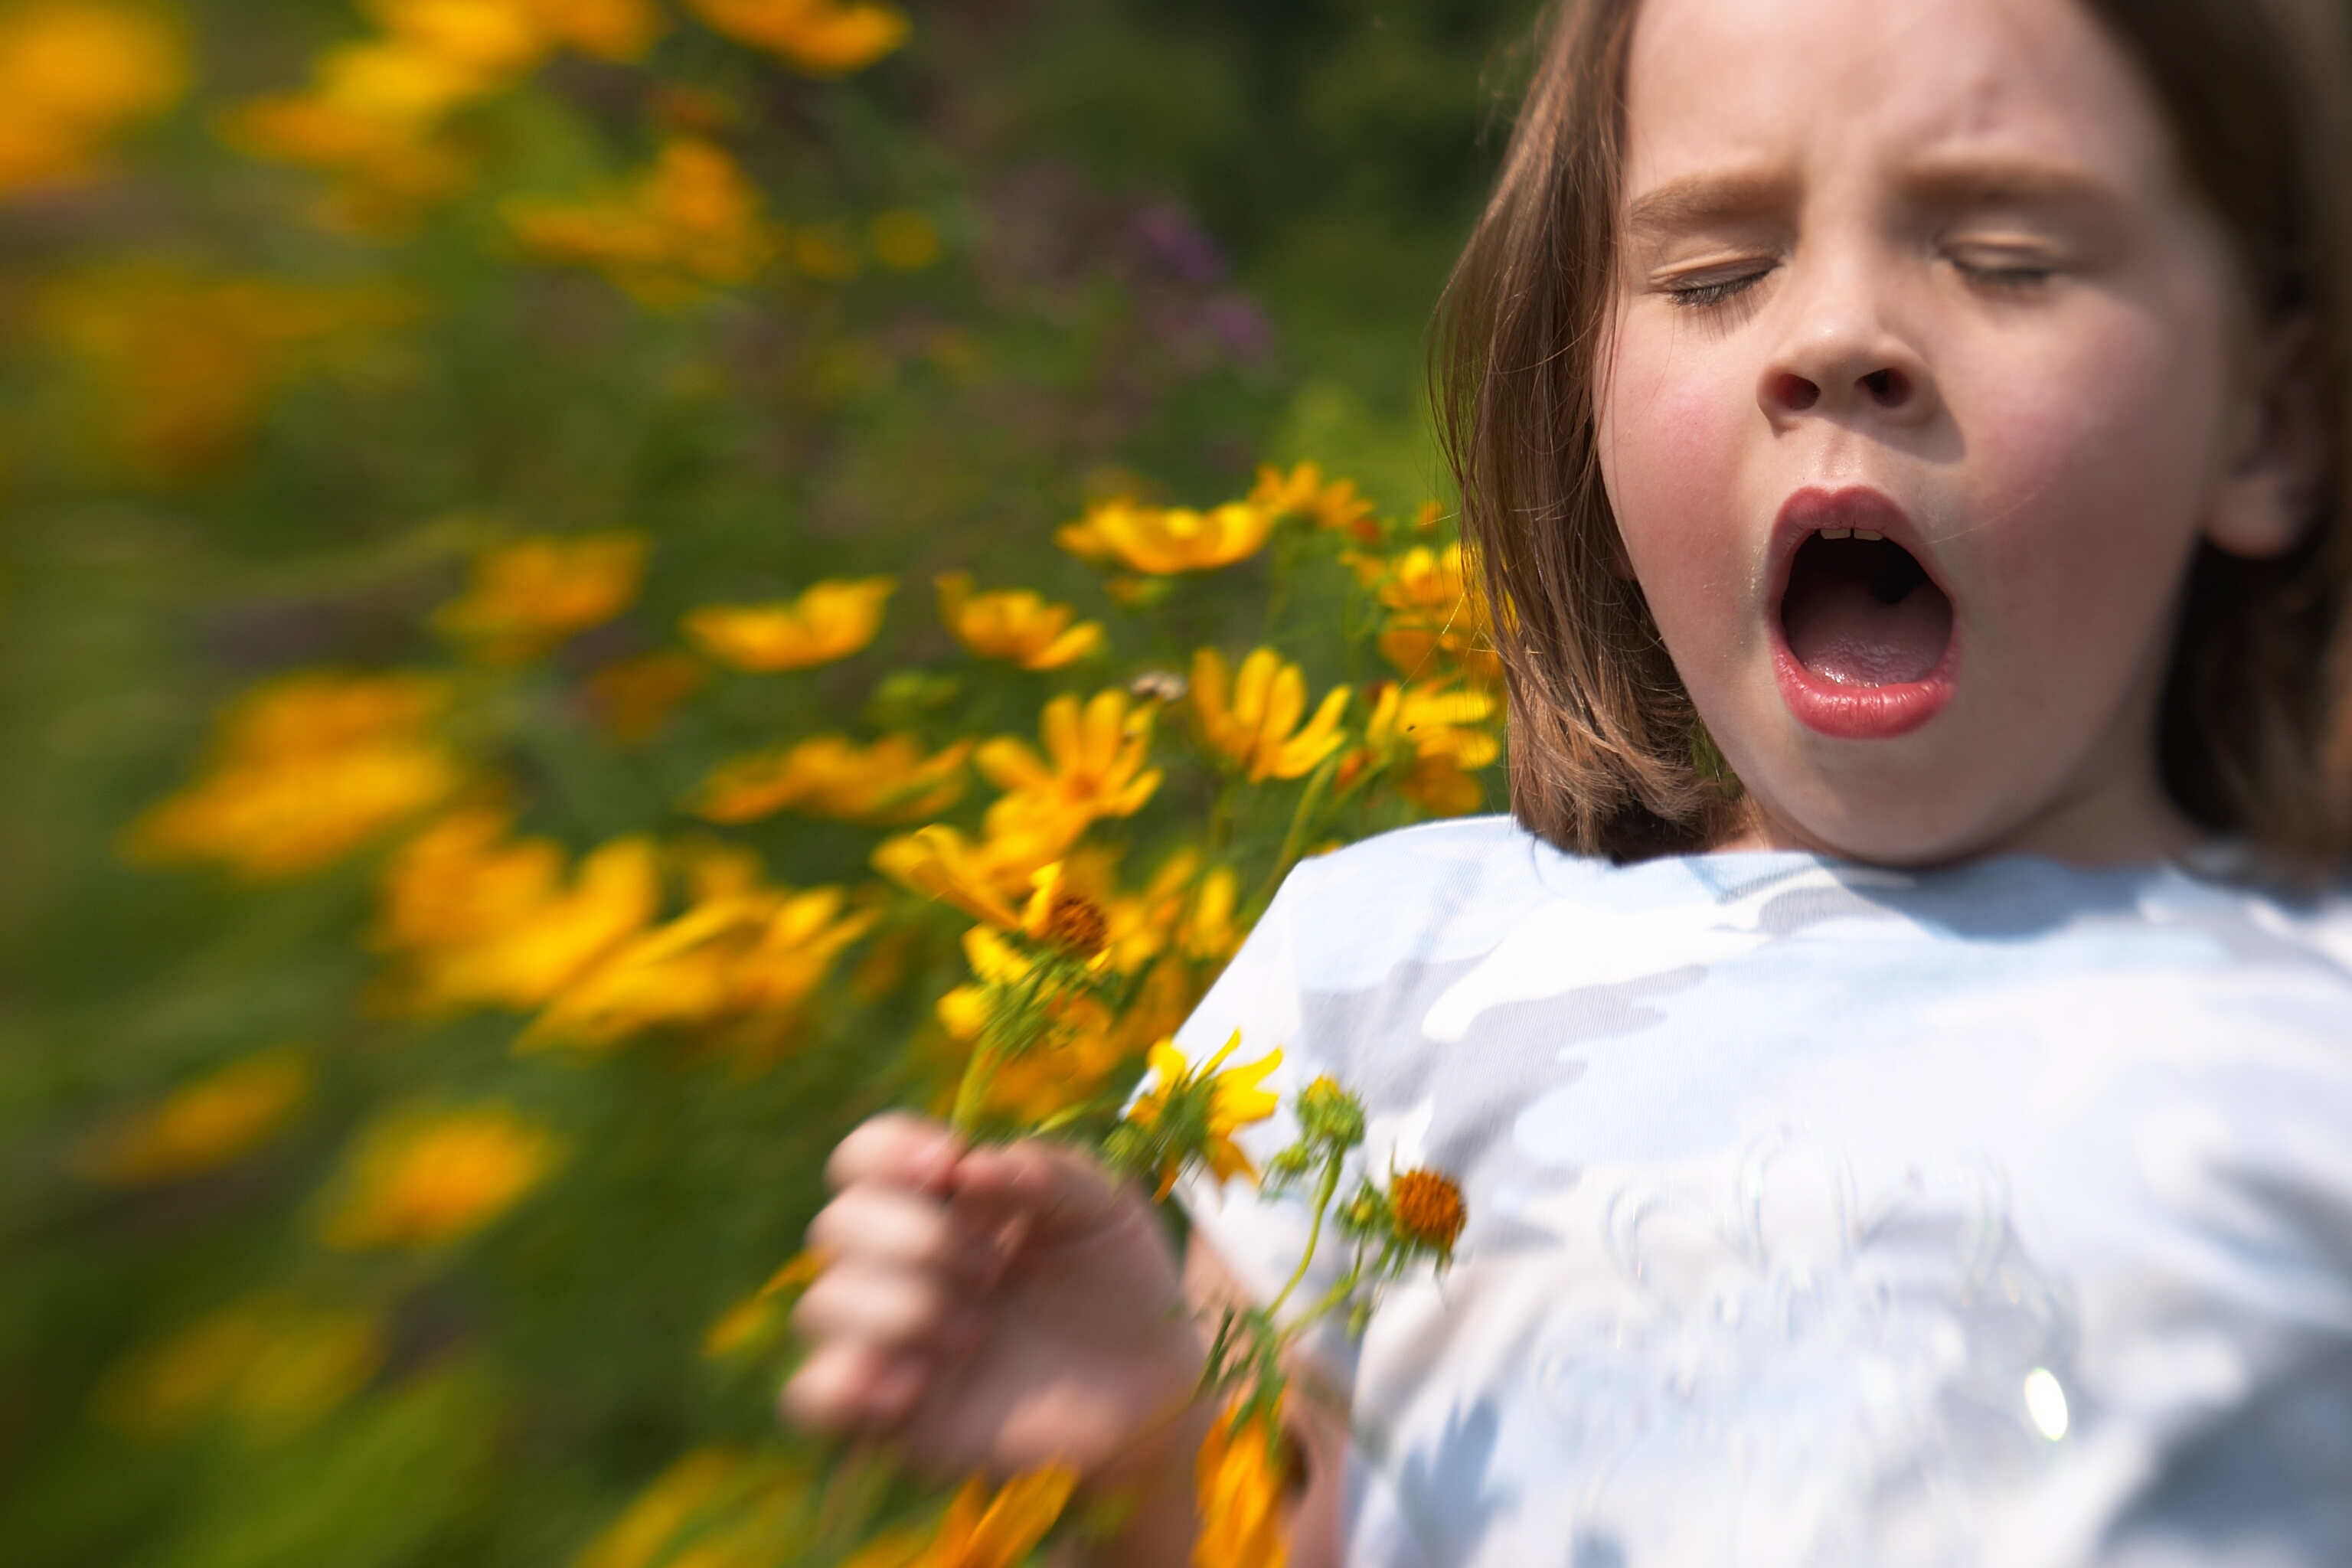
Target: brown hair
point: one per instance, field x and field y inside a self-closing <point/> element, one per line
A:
<point x="1607" y="753"/>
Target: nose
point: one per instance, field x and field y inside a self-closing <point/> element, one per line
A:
<point x="1889" y="387"/>
<point x="1841" y="358"/>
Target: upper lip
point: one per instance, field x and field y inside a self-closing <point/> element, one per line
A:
<point x="1817" y="507"/>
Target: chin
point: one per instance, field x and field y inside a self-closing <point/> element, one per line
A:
<point x="1920" y="799"/>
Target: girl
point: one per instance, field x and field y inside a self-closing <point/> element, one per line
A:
<point x="1907" y="440"/>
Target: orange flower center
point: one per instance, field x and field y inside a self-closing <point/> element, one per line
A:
<point x="1077" y="925"/>
<point x="1428" y="1207"/>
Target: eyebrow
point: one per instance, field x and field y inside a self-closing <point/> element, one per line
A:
<point x="2028" y="181"/>
<point x="1694" y="200"/>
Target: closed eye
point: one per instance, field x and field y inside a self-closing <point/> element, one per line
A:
<point x="2004" y="275"/>
<point x="2003" y="267"/>
<point x="1706" y="291"/>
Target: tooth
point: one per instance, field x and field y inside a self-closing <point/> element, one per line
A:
<point x="1843" y="533"/>
<point x="1865" y="533"/>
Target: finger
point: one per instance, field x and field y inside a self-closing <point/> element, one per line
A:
<point x="890" y="1225"/>
<point x="889" y="1307"/>
<point x="850" y="1386"/>
<point x="1042" y="1187"/>
<point x="898" y="1150"/>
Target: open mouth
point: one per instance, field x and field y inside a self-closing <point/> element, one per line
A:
<point x="1867" y="640"/>
<point x="1860" y="610"/>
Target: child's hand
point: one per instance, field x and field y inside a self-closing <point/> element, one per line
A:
<point x="992" y="1309"/>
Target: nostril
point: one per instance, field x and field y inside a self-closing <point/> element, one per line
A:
<point x="1794" y="392"/>
<point x="1888" y="388"/>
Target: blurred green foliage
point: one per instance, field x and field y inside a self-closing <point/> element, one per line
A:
<point x="1177" y="237"/>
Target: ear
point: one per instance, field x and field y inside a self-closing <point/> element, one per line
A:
<point x="2278" y="455"/>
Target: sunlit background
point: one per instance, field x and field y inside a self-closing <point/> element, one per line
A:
<point x="555" y="557"/>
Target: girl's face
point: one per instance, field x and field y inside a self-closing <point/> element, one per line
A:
<point x="1927" y="374"/>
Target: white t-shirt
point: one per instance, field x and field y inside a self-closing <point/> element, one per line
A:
<point x="1824" y="1215"/>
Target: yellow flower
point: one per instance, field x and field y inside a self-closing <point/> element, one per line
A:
<point x="691" y="223"/>
<point x="981" y="1529"/>
<point x="493" y="39"/>
<point x="714" y="1508"/>
<point x="1253" y="719"/>
<point x="529" y="595"/>
<point x="758" y="1316"/>
<point x="1179" y="910"/>
<point x="706" y="212"/>
<point x="617" y="30"/>
<point x="981" y="879"/>
<point x="1242" y="1483"/>
<point x="1192" y="1113"/>
<point x="73" y="75"/>
<point x="1209" y="935"/>
<point x="1435" y="612"/>
<point x="633" y="698"/>
<point x="1336" y="507"/>
<point x="305" y="770"/>
<point x="741" y="953"/>
<point x="831" y="621"/>
<point x="270" y="1360"/>
<point x="311" y="1364"/>
<point x="474" y="919"/>
<point x="1435" y="726"/>
<point x="816" y="38"/>
<point x="1439" y="786"/>
<point x="169" y="1384"/>
<point x="1065" y="916"/>
<point x="377" y="111"/>
<point x="373" y="116"/>
<point x="1072" y="1064"/>
<point x="1016" y="626"/>
<point x="404" y="86"/>
<point x="830" y="775"/>
<point x="1077" y="1044"/>
<point x="186" y="364"/>
<point x="201" y="1125"/>
<point x="1093" y="767"/>
<point x="417" y="1180"/>
<point x="389" y="162"/>
<point x="655" y="1518"/>
<point x="1435" y="722"/>
<point x="1162" y="541"/>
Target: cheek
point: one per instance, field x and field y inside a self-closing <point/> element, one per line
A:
<point x="1671" y="423"/>
<point x="2096" y="461"/>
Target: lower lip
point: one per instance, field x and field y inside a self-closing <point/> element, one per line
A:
<point x="1863" y="712"/>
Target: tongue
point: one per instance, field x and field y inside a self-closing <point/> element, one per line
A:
<point x="1844" y="632"/>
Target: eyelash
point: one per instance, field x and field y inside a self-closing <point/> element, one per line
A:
<point x="1706" y="296"/>
<point x="1722" y="291"/>
<point x="2019" y="276"/>
<point x="2014" y="279"/>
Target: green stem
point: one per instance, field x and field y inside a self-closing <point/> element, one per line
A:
<point x="972" y="1094"/>
<point x="1294" y="843"/>
<point x="1330" y="1299"/>
<point x="1324" y="1191"/>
